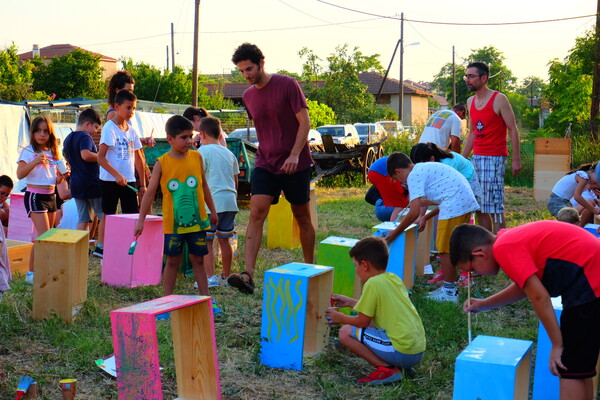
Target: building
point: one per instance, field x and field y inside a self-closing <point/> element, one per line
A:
<point x="58" y="50"/>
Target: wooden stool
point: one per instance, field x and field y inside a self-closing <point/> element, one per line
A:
<point x="194" y="346"/>
<point x="61" y="272"/>
<point x="19" y="254"/>
<point x="293" y="317"/>
<point x="142" y="268"/>
<point x="402" y="251"/>
<point x="493" y="368"/>
<point x="333" y="252"/>
<point x="282" y="229"/>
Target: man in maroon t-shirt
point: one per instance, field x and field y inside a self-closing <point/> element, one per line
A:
<point x="544" y="259"/>
<point x="278" y="108"/>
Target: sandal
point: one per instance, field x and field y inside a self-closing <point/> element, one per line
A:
<point x="237" y="281"/>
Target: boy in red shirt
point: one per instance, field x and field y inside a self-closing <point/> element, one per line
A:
<point x="544" y="259"/>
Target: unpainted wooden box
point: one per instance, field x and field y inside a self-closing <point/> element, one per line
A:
<point x="552" y="161"/>
<point x="19" y="254"/>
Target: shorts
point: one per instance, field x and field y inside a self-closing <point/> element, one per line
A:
<point x="85" y="205"/>
<point x="225" y="228"/>
<point x="39" y="203"/>
<point x="490" y="171"/>
<point x="555" y="203"/>
<point x="295" y="187"/>
<point x="112" y="193"/>
<point x="445" y="229"/>
<point x="580" y="328"/>
<point x="379" y="343"/>
<point x="196" y="242"/>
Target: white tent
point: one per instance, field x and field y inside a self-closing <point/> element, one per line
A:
<point x="14" y="133"/>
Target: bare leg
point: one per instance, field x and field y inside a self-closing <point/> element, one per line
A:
<point x="501" y="224"/>
<point x="82" y="226"/>
<point x="307" y="231"/>
<point x="42" y="224"/>
<point x="259" y="209"/>
<point x="358" y="348"/>
<point x="587" y="217"/>
<point x="448" y="270"/>
<point x="485" y="220"/>
<point x="226" y="255"/>
<point x="209" y="259"/>
<point x="101" y="226"/>
<point x="199" y="274"/>
<point x="576" y="389"/>
<point x="170" y="274"/>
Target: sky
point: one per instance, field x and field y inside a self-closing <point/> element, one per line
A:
<point x="281" y="28"/>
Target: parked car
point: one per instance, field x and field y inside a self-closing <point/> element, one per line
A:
<point x="376" y="131"/>
<point x="393" y="128"/>
<point x="242" y="133"/>
<point x="314" y="137"/>
<point x="341" y="134"/>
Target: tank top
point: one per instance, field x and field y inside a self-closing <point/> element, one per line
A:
<point x="183" y="198"/>
<point x="489" y="128"/>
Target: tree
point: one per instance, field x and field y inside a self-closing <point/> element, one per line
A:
<point x="442" y="83"/>
<point x="342" y="90"/>
<point x="320" y="114"/>
<point x="570" y="88"/>
<point x="77" y="74"/>
<point x="532" y="87"/>
<point x="16" y="78"/>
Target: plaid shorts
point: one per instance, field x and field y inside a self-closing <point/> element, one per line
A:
<point x="490" y="170"/>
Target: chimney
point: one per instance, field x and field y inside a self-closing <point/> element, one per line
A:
<point x="36" y="50"/>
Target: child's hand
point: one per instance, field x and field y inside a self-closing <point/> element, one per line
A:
<point x="139" y="227"/>
<point x="475" y="306"/>
<point x="339" y="300"/>
<point x="40" y="159"/>
<point x="121" y="181"/>
<point x="391" y="236"/>
<point x="333" y="316"/>
<point x="556" y="360"/>
<point x="214" y="219"/>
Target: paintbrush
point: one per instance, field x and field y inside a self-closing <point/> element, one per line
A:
<point x="132" y="188"/>
<point x="33" y="152"/>
<point x="469" y="300"/>
<point x="132" y="247"/>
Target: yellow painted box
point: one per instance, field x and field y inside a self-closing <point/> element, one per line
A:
<point x="19" y="254"/>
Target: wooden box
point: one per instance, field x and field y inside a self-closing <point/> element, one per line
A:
<point x="403" y="251"/>
<point x="61" y="272"/>
<point x="552" y="161"/>
<point x="19" y="254"/>
<point x="194" y="346"/>
<point x="293" y="314"/>
<point x="493" y="368"/>
<point x="282" y="229"/>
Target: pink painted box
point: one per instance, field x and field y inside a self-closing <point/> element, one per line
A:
<point x="20" y="226"/>
<point x="194" y="346"/>
<point x="142" y="268"/>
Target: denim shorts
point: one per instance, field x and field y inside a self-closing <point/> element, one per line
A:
<point x="555" y="203"/>
<point x="196" y="242"/>
<point x="380" y="344"/>
<point x="225" y="228"/>
<point x="84" y="206"/>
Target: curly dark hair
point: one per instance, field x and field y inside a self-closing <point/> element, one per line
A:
<point x="247" y="51"/>
<point x="117" y="82"/>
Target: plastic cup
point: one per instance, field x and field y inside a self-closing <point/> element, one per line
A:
<point x="62" y="167"/>
<point x="69" y="388"/>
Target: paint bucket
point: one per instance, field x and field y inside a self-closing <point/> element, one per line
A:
<point x="69" y="388"/>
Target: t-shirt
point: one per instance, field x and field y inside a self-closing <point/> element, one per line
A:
<point x="587" y="194"/>
<point x="84" y="182"/>
<point x="392" y="192"/>
<point x="220" y="167"/>
<point x="440" y="126"/>
<point x="489" y="129"/>
<point x="385" y="300"/>
<point x="444" y="186"/>
<point x="273" y="109"/>
<point x="565" y="187"/>
<point x="42" y="173"/>
<point x="563" y="256"/>
<point x="121" y="150"/>
<point x="461" y="164"/>
<point x="69" y="217"/>
<point x="183" y="196"/>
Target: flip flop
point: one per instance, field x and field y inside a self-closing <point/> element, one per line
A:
<point x="236" y="280"/>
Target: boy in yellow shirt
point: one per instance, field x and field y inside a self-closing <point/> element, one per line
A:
<point x="387" y="332"/>
<point x="180" y="175"/>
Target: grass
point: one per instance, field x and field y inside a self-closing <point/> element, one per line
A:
<point x="50" y="350"/>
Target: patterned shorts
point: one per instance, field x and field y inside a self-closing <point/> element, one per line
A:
<point x="490" y="170"/>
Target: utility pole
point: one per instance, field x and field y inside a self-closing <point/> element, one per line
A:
<point x="167" y="57"/>
<point x="596" y="81"/>
<point x="401" y="89"/>
<point x="454" y="79"/>
<point x="195" y="63"/>
<point x="172" y="48"/>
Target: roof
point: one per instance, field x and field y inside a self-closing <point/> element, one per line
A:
<point x="59" y="50"/>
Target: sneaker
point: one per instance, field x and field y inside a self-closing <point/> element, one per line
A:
<point x="443" y="294"/>
<point x="437" y="278"/>
<point x="463" y="280"/>
<point x="29" y="278"/>
<point x="98" y="252"/>
<point x="243" y="285"/>
<point x="213" y="281"/>
<point x="382" y="375"/>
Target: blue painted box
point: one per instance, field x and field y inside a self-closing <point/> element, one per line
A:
<point x="493" y="368"/>
<point x="592" y="228"/>
<point x="293" y="319"/>
<point x="402" y="261"/>
<point x="546" y="385"/>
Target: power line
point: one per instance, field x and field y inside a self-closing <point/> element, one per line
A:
<point x="454" y="23"/>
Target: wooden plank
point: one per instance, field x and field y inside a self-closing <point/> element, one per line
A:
<point x="552" y="162"/>
<point x="320" y="288"/>
<point x="543" y="182"/>
<point x="194" y="348"/>
<point x="424" y="248"/>
<point x="552" y="146"/>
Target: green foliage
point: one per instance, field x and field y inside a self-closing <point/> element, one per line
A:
<point x="442" y="83"/>
<point x="433" y="103"/>
<point x="16" y="78"/>
<point x="532" y="86"/>
<point x="519" y="104"/>
<point x="399" y="144"/>
<point x="531" y="118"/>
<point x="77" y="74"/>
<point x="320" y="114"/>
<point x="501" y="78"/>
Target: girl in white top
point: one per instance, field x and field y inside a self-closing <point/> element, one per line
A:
<point x="573" y="185"/>
<point x="37" y="164"/>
